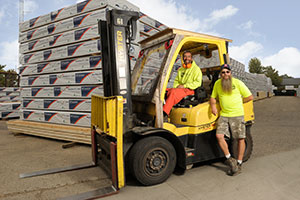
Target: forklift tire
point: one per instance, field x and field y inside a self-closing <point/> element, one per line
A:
<point x="248" y="144"/>
<point x="152" y="160"/>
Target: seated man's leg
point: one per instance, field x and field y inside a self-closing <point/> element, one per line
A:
<point x="174" y="96"/>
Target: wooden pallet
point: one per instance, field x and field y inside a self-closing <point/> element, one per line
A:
<point x="261" y="95"/>
<point x="54" y="131"/>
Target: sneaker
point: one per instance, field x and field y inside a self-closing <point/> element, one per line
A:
<point x="232" y="163"/>
<point x="231" y="173"/>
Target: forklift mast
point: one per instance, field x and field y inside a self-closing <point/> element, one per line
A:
<point x="116" y="34"/>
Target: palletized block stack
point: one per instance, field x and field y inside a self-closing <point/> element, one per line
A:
<point x="61" y="60"/>
<point x="9" y="102"/>
<point x="298" y="92"/>
<point x="238" y="69"/>
<point x="258" y="83"/>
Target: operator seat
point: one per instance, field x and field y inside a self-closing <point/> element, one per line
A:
<point x="198" y="97"/>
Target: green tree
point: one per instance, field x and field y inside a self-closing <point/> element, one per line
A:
<point x="286" y="76"/>
<point x="272" y="73"/>
<point x="2" y="76"/>
<point x="12" y="78"/>
<point x="8" y="78"/>
<point x="255" y="66"/>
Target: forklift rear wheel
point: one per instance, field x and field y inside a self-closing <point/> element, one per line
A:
<point x="152" y="160"/>
<point x="248" y="143"/>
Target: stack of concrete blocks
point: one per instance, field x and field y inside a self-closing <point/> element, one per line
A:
<point x="237" y="69"/>
<point x="9" y="102"/>
<point x="60" y="57"/>
<point x="270" y="87"/>
<point x="298" y="91"/>
<point x="205" y="62"/>
<point x="289" y="87"/>
<point x="259" y="83"/>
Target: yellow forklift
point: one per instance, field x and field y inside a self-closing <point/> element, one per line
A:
<point x="128" y="131"/>
<point x="129" y="134"/>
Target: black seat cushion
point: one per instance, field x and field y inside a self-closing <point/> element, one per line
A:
<point x="198" y="97"/>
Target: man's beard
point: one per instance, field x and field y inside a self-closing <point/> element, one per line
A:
<point x="227" y="85"/>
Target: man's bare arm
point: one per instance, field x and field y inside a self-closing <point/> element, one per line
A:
<point x="247" y="99"/>
<point x="213" y="106"/>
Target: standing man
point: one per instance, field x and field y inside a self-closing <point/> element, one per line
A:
<point x="189" y="77"/>
<point x="231" y="93"/>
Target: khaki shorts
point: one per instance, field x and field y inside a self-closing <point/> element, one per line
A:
<point x="235" y="124"/>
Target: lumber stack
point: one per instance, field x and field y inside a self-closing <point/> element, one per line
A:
<point x="54" y="131"/>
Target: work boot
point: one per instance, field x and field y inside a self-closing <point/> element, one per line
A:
<point x="231" y="173"/>
<point x="232" y="163"/>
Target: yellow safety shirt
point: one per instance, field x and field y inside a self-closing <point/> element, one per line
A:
<point x="189" y="77"/>
<point x="231" y="104"/>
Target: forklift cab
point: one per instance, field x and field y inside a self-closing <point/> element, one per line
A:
<point x="159" y="60"/>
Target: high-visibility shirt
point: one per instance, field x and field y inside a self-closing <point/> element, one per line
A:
<point x="231" y="104"/>
<point x="189" y="77"/>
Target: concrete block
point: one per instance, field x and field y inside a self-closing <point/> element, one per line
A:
<point x="145" y="19"/>
<point x="82" y="105"/>
<point x="70" y="11"/>
<point x="10" y="106"/>
<point x="9" y="89"/>
<point x="71" y="78"/>
<point x="86" y="33"/>
<point x="74" y="50"/>
<point x="77" y="22"/>
<point x="75" y="64"/>
<point x="9" y="114"/>
<point x="66" y="118"/>
<point x="62" y="92"/>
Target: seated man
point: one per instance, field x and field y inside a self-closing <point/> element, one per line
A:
<point x="189" y="77"/>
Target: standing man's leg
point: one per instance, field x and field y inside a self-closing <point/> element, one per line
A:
<point x="238" y="129"/>
<point x="223" y="129"/>
<point x="222" y="143"/>
<point x="241" y="149"/>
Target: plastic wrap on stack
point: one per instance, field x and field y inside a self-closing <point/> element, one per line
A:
<point x="298" y="91"/>
<point x="9" y="102"/>
<point x="237" y="69"/>
<point x="60" y="56"/>
<point x="258" y="83"/>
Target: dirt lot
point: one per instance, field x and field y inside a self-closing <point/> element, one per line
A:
<point x="276" y="143"/>
<point x="277" y="125"/>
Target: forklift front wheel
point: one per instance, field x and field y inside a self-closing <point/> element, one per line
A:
<point x="152" y="160"/>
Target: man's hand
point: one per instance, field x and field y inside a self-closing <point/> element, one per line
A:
<point x="180" y="86"/>
<point x="247" y="99"/>
<point x="214" y="110"/>
<point x="213" y="106"/>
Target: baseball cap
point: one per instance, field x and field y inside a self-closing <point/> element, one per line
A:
<point x="225" y="66"/>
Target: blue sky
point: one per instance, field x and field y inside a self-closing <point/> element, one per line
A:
<point x="265" y="29"/>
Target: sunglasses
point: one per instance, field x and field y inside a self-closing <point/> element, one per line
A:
<point x="227" y="72"/>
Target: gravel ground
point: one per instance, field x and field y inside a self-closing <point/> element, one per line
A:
<point x="277" y="125"/>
